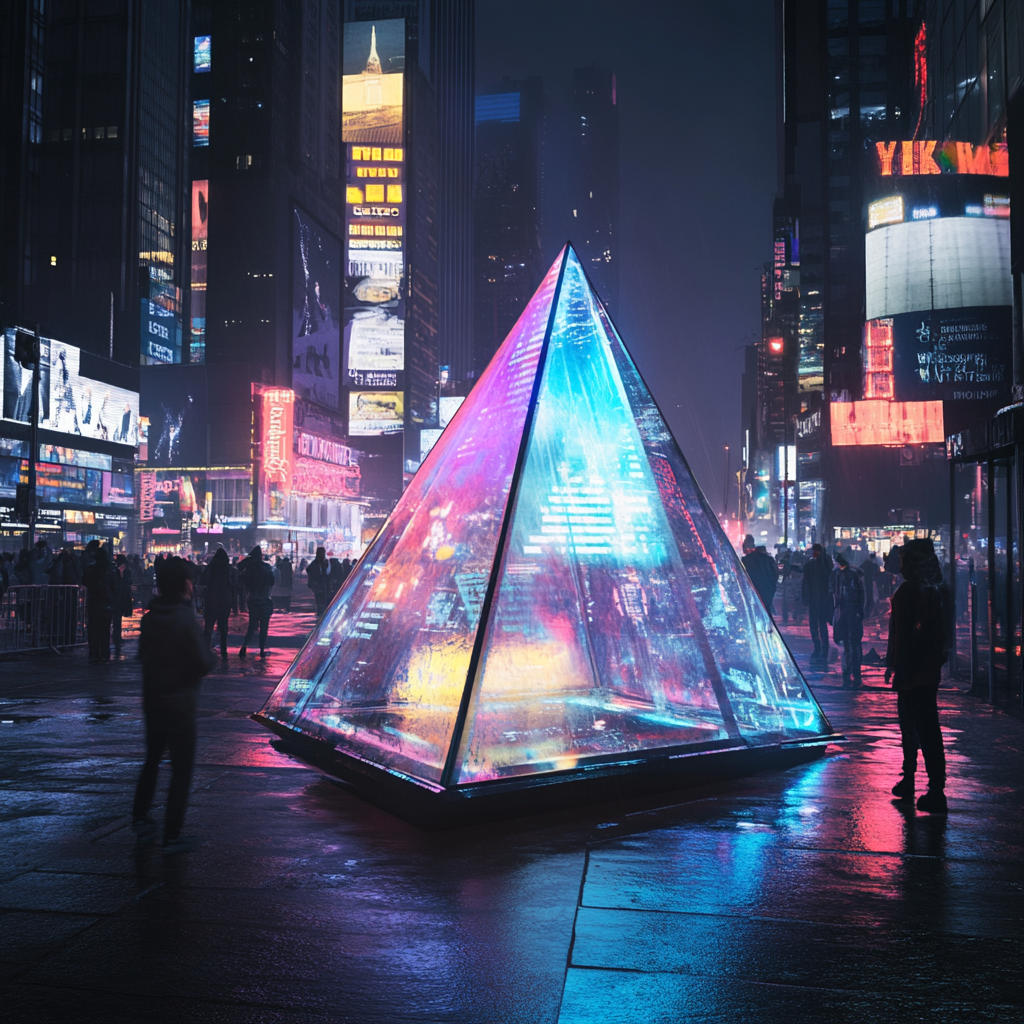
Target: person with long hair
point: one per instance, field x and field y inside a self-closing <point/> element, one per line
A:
<point x="217" y="579"/>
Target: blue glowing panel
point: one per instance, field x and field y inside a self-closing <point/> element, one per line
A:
<point x="384" y="674"/>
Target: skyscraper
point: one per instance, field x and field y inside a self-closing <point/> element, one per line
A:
<point x="507" y="196"/>
<point x="595" y="179"/>
<point x="94" y="187"/>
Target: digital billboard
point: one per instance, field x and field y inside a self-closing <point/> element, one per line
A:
<point x="886" y="423"/>
<point x="953" y="354"/>
<point x="938" y="288"/>
<point x="316" y="310"/>
<point x="159" y="330"/>
<point x="201" y="54"/>
<point x="200" y="122"/>
<point x="937" y="263"/>
<point x="200" y="233"/>
<point x="174" y="401"/>
<point x="372" y="84"/>
<point x="375" y="412"/>
<point x="85" y="407"/>
<point x="16" y="382"/>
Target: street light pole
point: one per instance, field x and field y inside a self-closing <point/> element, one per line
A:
<point x="725" y="493"/>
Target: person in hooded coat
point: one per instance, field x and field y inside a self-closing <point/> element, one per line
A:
<point x="219" y="584"/>
<point x="175" y="657"/>
<point x="920" y="634"/>
<point x="100" y="581"/>
<point x="259" y="581"/>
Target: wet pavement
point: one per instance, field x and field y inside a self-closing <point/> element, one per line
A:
<point x="804" y="895"/>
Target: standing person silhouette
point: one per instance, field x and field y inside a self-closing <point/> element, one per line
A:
<point x="920" y="629"/>
<point x="175" y="657"/>
<point x="259" y="581"/>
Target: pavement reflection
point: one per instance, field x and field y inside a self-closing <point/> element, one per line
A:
<point x="801" y="896"/>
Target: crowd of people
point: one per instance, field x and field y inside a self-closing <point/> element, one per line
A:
<point x="219" y="587"/>
<point x="836" y="590"/>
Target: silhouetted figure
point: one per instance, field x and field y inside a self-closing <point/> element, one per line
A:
<point x="920" y="629"/>
<point x="282" y="584"/>
<point x="346" y="568"/>
<point x="871" y="570"/>
<point x="323" y="577"/>
<point x="848" y="618"/>
<point x="816" y="593"/>
<point x="174" y="660"/>
<point x="218" y="580"/>
<point x="40" y="562"/>
<point x="259" y="581"/>
<point x="761" y="569"/>
<point x="100" y="581"/>
<point x="122" y="599"/>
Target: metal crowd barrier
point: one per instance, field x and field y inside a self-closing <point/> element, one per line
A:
<point x="38" y="618"/>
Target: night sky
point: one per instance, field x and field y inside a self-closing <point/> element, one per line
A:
<point x="697" y="129"/>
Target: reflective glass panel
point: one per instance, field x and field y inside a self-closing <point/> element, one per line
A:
<point x="384" y="673"/>
<point x="622" y="621"/>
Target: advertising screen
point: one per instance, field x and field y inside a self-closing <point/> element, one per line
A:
<point x="200" y="229"/>
<point x="159" y="332"/>
<point x="886" y="423"/>
<point x="954" y="355"/>
<point x="200" y="122"/>
<point x="375" y="412"/>
<point x="88" y="408"/>
<point x="910" y="159"/>
<point x="277" y="456"/>
<point x="17" y="382"/>
<point x="174" y="402"/>
<point x="201" y="54"/>
<point x="940" y="263"/>
<point x="374" y="64"/>
<point x="316" y="308"/>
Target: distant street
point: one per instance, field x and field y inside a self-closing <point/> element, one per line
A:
<point x="804" y="895"/>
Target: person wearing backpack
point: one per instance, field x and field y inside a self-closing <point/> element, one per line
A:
<point x="848" y="618"/>
<point x="920" y="629"/>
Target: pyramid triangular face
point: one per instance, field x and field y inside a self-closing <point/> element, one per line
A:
<point x="552" y="590"/>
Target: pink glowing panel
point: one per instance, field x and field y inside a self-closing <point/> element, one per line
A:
<point x="383" y="676"/>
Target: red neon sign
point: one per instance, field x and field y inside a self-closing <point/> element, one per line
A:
<point x="886" y="423"/>
<point x="278" y="461"/>
<point x="902" y="159"/>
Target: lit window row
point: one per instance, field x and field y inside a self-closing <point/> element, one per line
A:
<point x="376" y="230"/>
<point x="377" y="172"/>
<point x="377" y="153"/>
<point x="373" y="194"/>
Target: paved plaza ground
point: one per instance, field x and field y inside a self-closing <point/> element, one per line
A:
<point x="804" y="895"/>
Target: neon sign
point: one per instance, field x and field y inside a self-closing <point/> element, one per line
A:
<point x="278" y="405"/>
<point x="903" y="159"/>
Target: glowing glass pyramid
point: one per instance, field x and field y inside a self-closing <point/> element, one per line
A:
<point x="552" y="592"/>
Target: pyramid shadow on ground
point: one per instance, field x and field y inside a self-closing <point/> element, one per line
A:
<point x="552" y="611"/>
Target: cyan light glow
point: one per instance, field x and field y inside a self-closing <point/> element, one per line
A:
<point x="620" y="622"/>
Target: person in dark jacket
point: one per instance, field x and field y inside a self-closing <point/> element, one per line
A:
<point x="871" y="570"/>
<point x="174" y="660"/>
<point x="761" y="569"/>
<point x="218" y="580"/>
<point x="920" y="631"/>
<point x="259" y="581"/>
<point x="99" y="580"/>
<point x="815" y="592"/>
<point x="122" y="599"/>
<point x="323" y="577"/>
<point x="848" y="618"/>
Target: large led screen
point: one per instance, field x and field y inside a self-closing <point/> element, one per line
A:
<point x="200" y="122"/>
<point x="316" y="310"/>
<point x="886" y="423"/>
<point x="374" y="64"/>
<point x="16" y="382"/>
<point x="375" y="412"/>
<point x="941" y="263"/>
<point x="953" y="354"/>
<point x="200" y="238"/>
<point x="174" y="401"/>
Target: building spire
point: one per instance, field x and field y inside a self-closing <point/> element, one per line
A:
<point x="373" y="64"/>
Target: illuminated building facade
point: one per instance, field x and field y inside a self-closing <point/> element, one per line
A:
<point x="507" y="208"/>
<point x="94" y="171"/>
<point x="552" y="600"/>
<point x="594" y="224"/>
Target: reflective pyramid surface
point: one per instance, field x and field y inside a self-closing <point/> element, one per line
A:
<point x="552" y="590"/>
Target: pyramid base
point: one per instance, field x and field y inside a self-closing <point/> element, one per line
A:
<point x="432" y="807"/>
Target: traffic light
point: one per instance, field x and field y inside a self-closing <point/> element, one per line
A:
<point x="26" y="348"/>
